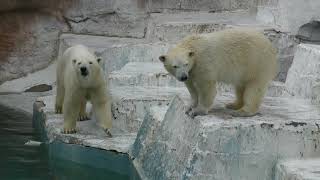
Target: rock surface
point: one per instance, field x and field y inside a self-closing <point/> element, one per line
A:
<point x="29" y="42"/>
<point x="219" y="146"/>
<point x="280" y="14"/>
<point x="129" y="108"/>
<point x="304" y="75"/>
<point x="304" y="169"/>
<point x="45" y="76"/>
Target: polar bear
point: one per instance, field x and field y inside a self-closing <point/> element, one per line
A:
<point x="81" y="78"/>
<point x="242" y="57"/>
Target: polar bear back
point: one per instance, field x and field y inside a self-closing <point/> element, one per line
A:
<point x="233" y="56"/>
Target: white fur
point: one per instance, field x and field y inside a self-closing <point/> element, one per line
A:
<point x="74" y="89"/>
<point x="241" y="57"/>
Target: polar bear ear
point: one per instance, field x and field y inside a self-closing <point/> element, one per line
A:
<point x="190" y="54"/>
<point x="162" y="58"/>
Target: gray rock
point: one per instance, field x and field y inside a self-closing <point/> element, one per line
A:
<point x="304" y="73"/>
<point x="281" y="13"/>
<point x="30" y="46"/>
<point x="44" y="76"/>
<point x="110" y="24"/>
<point x="304" y="169"/>
<point x="219" y="146"/>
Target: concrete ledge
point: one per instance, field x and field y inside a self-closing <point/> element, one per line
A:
<point x="45" y="76"/>
<point x="172" y="27"/>
<point x="154" y="74"/>
<point x="89" y="134"/>
<point x="130" y="105"/>
<point x="304" y="169"/>
<point x="304" y="73"/>
<point x="219" y="146"/>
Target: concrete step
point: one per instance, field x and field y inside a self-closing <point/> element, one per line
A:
<point x="143" y="74"/>
<point x="203" y="5"/>
<point x="154" y="74"/>
<point x="220" y="146"/>
<point x="304" y="74"/>
<point x="88" y="133"/>
<point x="147" y="134"/>
<point x="173" y="27"/>
<point x="129" y="108"/>
<point x="42" y="80"/>
<point x="303" y="169"/>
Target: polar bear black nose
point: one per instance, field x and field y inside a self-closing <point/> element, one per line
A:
<point x="84" y="71"/>
<point x="184" y="78"/>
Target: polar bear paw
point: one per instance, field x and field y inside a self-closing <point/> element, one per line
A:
<point x="233" y="106"/>
<point x="242" y="113"/>
<point x="189" y="109"/>
<point x="108" y="133"/>
<point x="198" y="112"/>
<point x="69" y="130"/>
<point x="83" y="117"/>
<point x="58" y="109"/>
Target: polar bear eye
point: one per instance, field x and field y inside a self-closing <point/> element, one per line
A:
<point x="90" y="62"/>
<point x="175" y="67"/>
<point x="186" y="64"/>
<point x="79" y="63"/>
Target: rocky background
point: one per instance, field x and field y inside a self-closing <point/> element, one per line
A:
<point x="29" y="30"/>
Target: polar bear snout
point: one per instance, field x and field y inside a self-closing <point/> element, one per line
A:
<point x="84" y="71"/>
<point x="183" y="77"/>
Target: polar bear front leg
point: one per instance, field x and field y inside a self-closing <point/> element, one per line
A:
<point x="194" y="96"/>
<point x="71" y="109"/>
<point x="101" y="104"/>
<point x="103" y="114"/>
<point x="83" y="116"/>
<point x="206" y="92"/>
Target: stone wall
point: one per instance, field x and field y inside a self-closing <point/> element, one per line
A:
<point x="29" y="31"/>
<point x="289" y="15"/>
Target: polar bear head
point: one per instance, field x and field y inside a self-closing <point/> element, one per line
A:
<point x="87" y="67"/>
<point x="178" y="62"/>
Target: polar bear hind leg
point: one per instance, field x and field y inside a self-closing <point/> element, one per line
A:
<point x="238" y="103"/>
<point x="59" y="97"/>
<point x="252" y="99"/>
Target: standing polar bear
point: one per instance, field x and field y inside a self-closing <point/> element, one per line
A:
<point x="81" y="78"/>
<point x="244" y="58"/>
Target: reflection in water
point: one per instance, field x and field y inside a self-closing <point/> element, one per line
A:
<point x="18" y="161"/>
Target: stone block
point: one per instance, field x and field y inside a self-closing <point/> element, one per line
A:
<point x="298" y="169"/>
<point x="304" y="72"/>
<point x="29" y="42"/>
<point x="219" y="146"/>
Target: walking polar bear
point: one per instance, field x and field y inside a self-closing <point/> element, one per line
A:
<point x="242" y="57"/>
<point x="81" y="78"/>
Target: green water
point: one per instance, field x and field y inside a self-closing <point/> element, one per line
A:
<point x="52" y="162"/>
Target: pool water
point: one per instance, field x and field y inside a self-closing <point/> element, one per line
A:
<point x="18" y="161"/>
